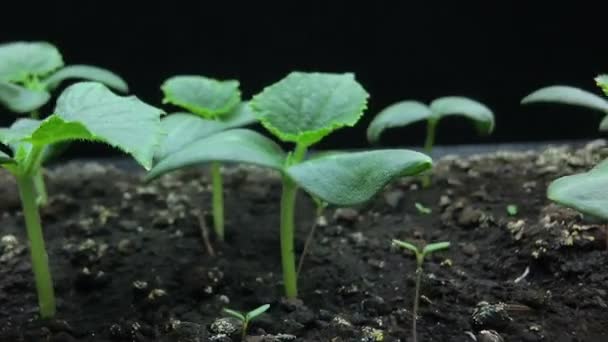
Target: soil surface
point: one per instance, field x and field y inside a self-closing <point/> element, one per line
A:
<point x="130" y="264"/>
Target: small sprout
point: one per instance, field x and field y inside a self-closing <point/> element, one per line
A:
<point x="422" y="209"/>
<point x="407" y="112"/>
<point x="302" y="109"/>
<point x="214" y="106"/>
<point x="246" y="318"/>
<point x="512" y="209"/>
<point x="420" y="255"/>
<point x="84" y="111"/>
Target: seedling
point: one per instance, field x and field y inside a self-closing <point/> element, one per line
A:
<point x="246" y="318"/>
<point x="407" y="112"/>
<point x="575" y="97"/>
<point x="512" y="209"/>
<point x="84" y="111"/>
<point x="29" y="71"/>
<point x="585" y="191"/>
<point x="214" y="106"/>
<point x="302" y="109"/>
<point x="422" y="209"/>
<point x="420" y="255"/>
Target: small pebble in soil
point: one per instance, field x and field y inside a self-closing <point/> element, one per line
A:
<point x="347" y="215"/>
<point x="228" y="326"/>
<point x="369" y="334"/>
<point x="469" y="217"/>
<point x="394" y="197"/>
<point x="490" y="316"/>
<point x="489" y="336"/>
<point x="187" y="332"/>
<point x="87" y="280"/>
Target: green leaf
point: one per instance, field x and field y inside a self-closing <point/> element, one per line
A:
<point x="203" y="96"/>
<point x="21" y="60"/>
<point x="406" y="245"/>
<point x="19" y="131"/>
<point x="434" y="247"/>
<point x="422" y="209"/>
<point x="352" y="178"/>
<point x="585" y="192"/>
<point x="397" y="115"/>
<point x="6" y="159"/>
<point x="54" y="129"/>
<point x="235" y="314"/>
<point x="602" y="82"/>
<point x="567" y="95"/>
<point x="234" y="145"/>
<point x="123" y="122"/>
<point x="184" y="128"/>
<point x="21" y="100"/>
<point x="258" y="311"/>
<point x="305" y="107"/>
<point x="457" y="105"/>
<point x="86" y="72"/>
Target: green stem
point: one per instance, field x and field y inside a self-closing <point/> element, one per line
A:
<point x="288" y="202"/>
<point x="217" y="200"/>
<point x="245" y="326"/>
<point x="40" y="263"/>
<point x="416" y="303"/>
<point x="41" y="194"/>
<point x="431" y="126"/>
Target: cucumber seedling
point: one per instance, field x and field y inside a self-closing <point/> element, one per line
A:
<point x="407" y="112"/>
<point x="29" y="72"/>
<point x="573" y="96"/>
<point x="247" y="317"/>
<point x="302" y="109"/>
<point x="420" y="255"/>
<point x="213" y="106"/>
<point x="84" y="111"/>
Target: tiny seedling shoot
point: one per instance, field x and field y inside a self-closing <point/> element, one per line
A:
<point x="84" y="111"/>
<point x="420" y="255"/>
<point x="573" y="96"/>
<point x="302" y="109"/>
<point x="407" y="112"/>
<point x="246" y="318"/>
<point x="213" y="106"/>
<point x="29" y="71"/>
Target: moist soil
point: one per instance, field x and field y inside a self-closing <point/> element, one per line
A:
<point x="130" y="262"/>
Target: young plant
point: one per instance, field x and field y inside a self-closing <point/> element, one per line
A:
<point x="407" y="112"/>
<point x="420" y="255"/>
<point x="29" y="71"/>
<point x="572" y="96"/>
<point x="215" y="106"/>
<point x="302" y="109"/>
<point x="246" y="318"/>
<point x="84" y="111"/>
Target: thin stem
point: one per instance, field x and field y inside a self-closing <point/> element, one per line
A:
<point x="288" y="202"/>
<point x="217" y="200"/>
<point x="308" y="242"/>
<point x="40" y="263"/>
<point x="431" y="126"/>
<point x="245" y="326"/>
<point x="41" y="194"/>
<point x="416" y="303"/>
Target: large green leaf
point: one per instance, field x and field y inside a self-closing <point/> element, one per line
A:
<point x="86" y="72"/>
<point x="585" y="192"/>
<point x="184" y="128"/>
<point x="305" y="107"/>
<point x="567" y="95"/>
<point x="602" y="82"/>
<point x="352" y="178"/>
<point x="123" y="122"/>
<point x="458" y="105"/>
<point x="6" y="159"/>
<point x="234" y="145"/>
<point x="21" y="60"/>
<point x="396" y="115"/>
<point x="204" y="96"/>
<point x="21" y="100"/>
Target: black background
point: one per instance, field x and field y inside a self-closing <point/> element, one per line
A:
<point x="493" y="51"/>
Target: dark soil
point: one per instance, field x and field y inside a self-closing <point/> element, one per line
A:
<point x="130" y="265"/>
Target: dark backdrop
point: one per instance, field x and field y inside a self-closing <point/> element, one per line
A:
<point x="493" y="51"/>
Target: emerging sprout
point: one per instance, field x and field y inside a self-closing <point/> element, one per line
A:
<point x="422" y="209"/>
<point x="420" y="255"/>
<point x="574" y="97"/>
<point x="216" y="106"/>
<point x="246" y="318"/>
<point x="512" y="209"/>
<point x="407" y="112"/>
<point x="84" y="111"/>
<point x="302" y="109"/>
<point x="29" y="71"/>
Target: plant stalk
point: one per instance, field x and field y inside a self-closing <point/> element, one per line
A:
<point x="288" y="202"/>
<point x="416" y="303"/>
<point x="217" y="200"/>
<point x="41" y="194"/>
<point x="40" y="263"/>
<point x="429" y="142"/>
